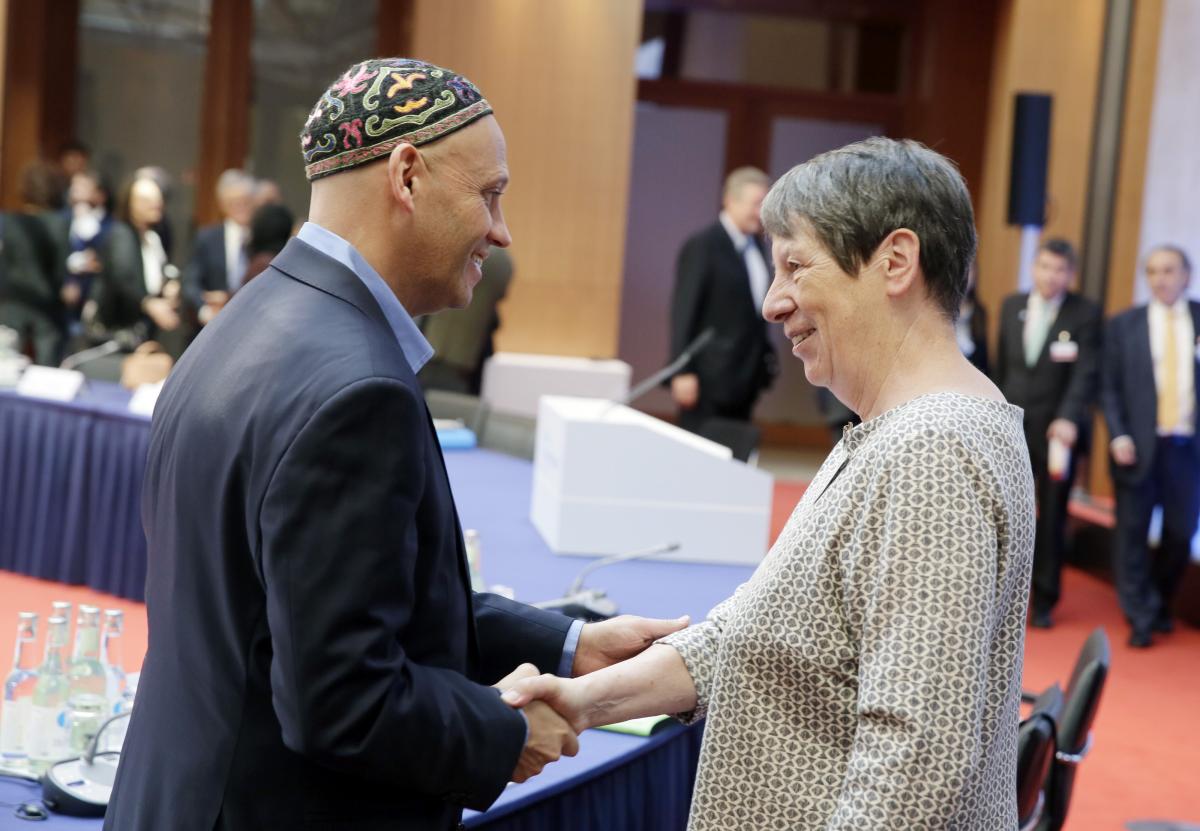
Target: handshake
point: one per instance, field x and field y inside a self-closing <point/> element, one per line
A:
<point x="557" y="709"/>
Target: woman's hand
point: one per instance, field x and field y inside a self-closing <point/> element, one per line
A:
<point x="564" y="695"/>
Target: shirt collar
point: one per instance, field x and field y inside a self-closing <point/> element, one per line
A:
<point x="739" y="239"/>
<point x="1036" y="299"/>
<point x="417" y="350"/>
<point x="1178" y="308"/>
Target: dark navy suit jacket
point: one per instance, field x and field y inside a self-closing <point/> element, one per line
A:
<point x="1129" y="395"/>
<point x="206" y="270"/>
<point x="316" y="657"/>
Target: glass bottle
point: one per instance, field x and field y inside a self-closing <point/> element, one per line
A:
<point x="119" y="693"/>
<point x="17" y="714"/>
<point x="87" y="682"/>
<point x="48" y="728"/>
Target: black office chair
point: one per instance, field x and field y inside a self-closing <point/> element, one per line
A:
<point x="1035" y="752"/>
<point x="1074" y="739"/>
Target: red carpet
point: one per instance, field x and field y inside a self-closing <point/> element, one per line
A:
<point x="1144" y="762"/>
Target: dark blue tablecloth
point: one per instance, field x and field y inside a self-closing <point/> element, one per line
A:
<point x="70" y="485"/>
<point x="87" y="457"/>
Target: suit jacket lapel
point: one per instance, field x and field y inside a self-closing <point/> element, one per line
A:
<point x="736" y="261"/>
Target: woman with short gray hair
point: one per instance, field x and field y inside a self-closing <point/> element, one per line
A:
<point x="867" y="676"/>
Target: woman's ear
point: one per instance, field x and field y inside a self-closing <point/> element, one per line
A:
<point x="900" y="257"/>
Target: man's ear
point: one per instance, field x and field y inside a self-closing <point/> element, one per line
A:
<point x="899" y="256"/>
<point x="404" y="164"/>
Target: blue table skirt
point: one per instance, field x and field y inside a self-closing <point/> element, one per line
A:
<point x="70" y="490"/>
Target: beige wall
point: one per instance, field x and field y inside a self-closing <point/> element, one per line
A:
<point x="560" y="77"/>
<point x="1171" y="190"/>
<point x="1051" y="47"/>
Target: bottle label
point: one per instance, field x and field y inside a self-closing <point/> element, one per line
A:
<point x="48" y="737"/>
<point x="14" y="728"/>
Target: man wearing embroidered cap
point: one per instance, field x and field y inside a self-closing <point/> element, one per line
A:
<point x="317" y="658"/>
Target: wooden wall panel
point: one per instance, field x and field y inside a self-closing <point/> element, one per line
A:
<point x="1131" y="183"/>
<point x="225" y="120"/>
<point x="947" y="96"/>
<point x="39" y="60"/>
<point x="560" y="76"/>
<point x="1040" y="47"/>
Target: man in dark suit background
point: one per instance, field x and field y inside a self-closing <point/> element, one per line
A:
<point x="1047" y="363"/>
<point x="317" y="659"/>
<point x="721" y="278"/>
<point x="219" y="256"/>
<point x="1149" y="395"/>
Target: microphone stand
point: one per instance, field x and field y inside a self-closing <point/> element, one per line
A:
<point x="594" y="604"/>
<point x="689" y="352"/>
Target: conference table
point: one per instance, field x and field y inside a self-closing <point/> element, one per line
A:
<point x="70" y="483"/>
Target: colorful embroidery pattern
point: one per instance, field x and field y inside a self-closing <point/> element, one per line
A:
<point x="378" y="104"/>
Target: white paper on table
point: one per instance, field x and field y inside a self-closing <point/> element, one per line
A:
<point x="50" y="383"/>
<point x="144" y="398"/>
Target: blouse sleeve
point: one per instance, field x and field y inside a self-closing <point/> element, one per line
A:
<point x="924" y="601"/>
<point x="699" y="646"/>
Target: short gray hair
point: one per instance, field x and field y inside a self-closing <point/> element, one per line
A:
<point x="234" y="178"/>
<point x="1171" y="248"/>
<point x="742" y="176"/>
<point x="853" y="197"/>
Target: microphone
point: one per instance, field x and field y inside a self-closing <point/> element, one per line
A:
<point x="594" y="604"/>
<point x="82" y="786"/>
<point x="690" y="351"/>
<point x="123" y="340"/>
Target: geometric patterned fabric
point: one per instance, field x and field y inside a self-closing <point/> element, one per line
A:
<point x="868" y="675"/>
<point x="378" y="104"/>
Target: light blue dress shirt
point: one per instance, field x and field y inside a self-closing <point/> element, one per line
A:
<point x="416" y="349"/>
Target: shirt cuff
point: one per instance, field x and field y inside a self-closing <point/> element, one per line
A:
<point x="569" y="647"/>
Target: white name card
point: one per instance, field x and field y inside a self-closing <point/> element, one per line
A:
<point x="50" y="383"/>
<point x="144" y="398"/>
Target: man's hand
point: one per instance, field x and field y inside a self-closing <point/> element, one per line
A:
<point x="518" y="674"/>
<point x="1123" y="450"/>
<point x="550" y="738"/>
<point x="611" y="641"/>
<point x="685" y="389"/>
<point x="162" y="312"/>
<point x="1064" y="430"/>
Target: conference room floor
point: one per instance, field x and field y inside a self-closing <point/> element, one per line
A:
<point x="1143" y="762"/>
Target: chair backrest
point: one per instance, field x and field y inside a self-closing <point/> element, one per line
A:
<point x="508" y="433"/>
<point x="469" y="409"/>
<point x="1080" y="704"/>
<point x="1035" y="752"/>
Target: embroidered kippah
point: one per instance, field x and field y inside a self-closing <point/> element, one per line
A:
<point x="380" y="103"/>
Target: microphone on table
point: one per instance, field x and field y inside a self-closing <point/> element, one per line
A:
<point x="595" y="604"/>
<point x="123" y="340"/>
<point x="82" y="786"/>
